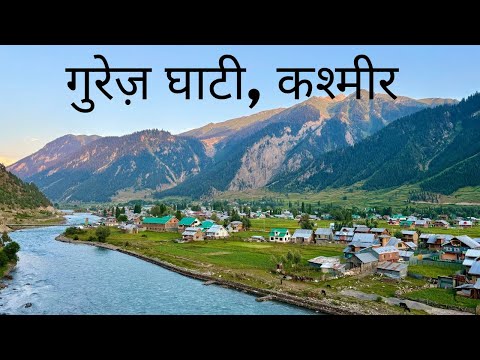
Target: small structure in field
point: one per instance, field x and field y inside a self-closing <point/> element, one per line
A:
<point x="392" y="269"/>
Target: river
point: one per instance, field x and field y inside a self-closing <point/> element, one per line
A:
<point x="61" y="278"/>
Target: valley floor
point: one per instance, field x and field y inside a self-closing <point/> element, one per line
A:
<point x="253" y="264"/>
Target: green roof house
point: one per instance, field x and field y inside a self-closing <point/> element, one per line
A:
<point x="187" y="222"/>
<point x="207" y="224"/>
<point x="279" y="235"/>
<point x="165" y="223"/>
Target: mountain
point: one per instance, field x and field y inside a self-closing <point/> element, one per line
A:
<point x="15" y="194"/>
<point x="288" y="141"/>
<point x="437" y="148"/>
<point x="238" y="154"/>
<point x="149" y="159"/>
<point x="50" y="155"/>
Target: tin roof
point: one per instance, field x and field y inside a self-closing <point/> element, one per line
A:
<point x="408" y="232"/>
<point x="475" y="269"/>
<point x="323" y="231"/>
<point x="302" y="233"/>
<point x="363" y="238"/>
<point x="385" y="249"/>
<point x="391" y="266"/>
<point x="365" y="257"/>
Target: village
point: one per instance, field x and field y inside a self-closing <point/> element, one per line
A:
<point x="385" y="246"/>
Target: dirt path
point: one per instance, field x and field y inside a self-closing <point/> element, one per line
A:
<point x="395" y="301"/>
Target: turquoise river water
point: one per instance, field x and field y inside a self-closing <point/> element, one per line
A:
<point x="61" y="278"/>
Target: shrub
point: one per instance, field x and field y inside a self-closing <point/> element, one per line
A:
<point x="102" y="232"/>
<point x="92" y="238"/>
<point x="3" y="258"/>
<point x="144" y="235"/>
<point x="75" y="237"/>
<point x="11" y="250"/>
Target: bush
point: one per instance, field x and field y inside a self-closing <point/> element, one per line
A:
<point x="71" y="231"/>
<point x="92" y="238"/>
<point x="102" y="232"/>
<point x="11" y="250"/>
<point x="3" y="258"/>
<point x="144" y="235"/>
<point x="75" y="237"/>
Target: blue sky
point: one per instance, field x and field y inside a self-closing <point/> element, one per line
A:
<point x="35" y="101"/>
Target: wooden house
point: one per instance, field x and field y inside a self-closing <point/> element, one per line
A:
<point x="435" y="242"/>
<point x="410" y="235"/>
<point x="279" y="235"/>
<point x="192" y="234"/>
<point x="421" y="223"/>
<point x="187" y="222"/>
<point x="302" y="236"/>
<point x="471" y="256"/>
<point x="323" y="235"/>
<point x="455" y="248"/>
<point x="465" y="224"/>
<point x="361" y="229"/>
<point x="379" y="232"/>
<point x="441" y="224"/>
<point x="235" y="226"/>
<point x="409" y="224"/>
<point x="397" y="243"/>
<point x="363" y="262"/>
<point x="474" y="271"/>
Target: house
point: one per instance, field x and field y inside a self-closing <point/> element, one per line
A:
<point x="323" y="235"/>
<point x="364" y="262"/>
<point x="474" y="271"/>
<point x="455" y="248"/>
<point x="392" y="270"/>
<point x="279" y="235"/>
<point x="216" y="232"/>
<point x="361" y="229"/>
<point x="397" y="243"/>
<point x="472" y="290"/>
<point x="165" y="223"/>
<point x="328" y="264"/>
<point x="405" y="255"/>
<point x="360" y="242"/>
<point x="465" y="224"/>
<point x="471" y="256"/>
<point x="421" y="223"/>
<point x="392" y="221"/>
<point x="187" y="222"/>
<point x="409" y="235"/>
<point x="192" y="234"/>
<point x="302" y="236"/>
<point x="111" y="221"/>
<point x="379" y="232"/>
<point x="344" y="235"/>
<point x="384" y="239"/>
<point x="384" y="253"/>
<point x="423" y="238"/>
<point x="441" y="224"/>
<point x="435" y="242"/>
<point x="407" y="223"/>
<point x="235" y="226"/>
<point x="411" y="245"/>
<point x="207" y="224"/>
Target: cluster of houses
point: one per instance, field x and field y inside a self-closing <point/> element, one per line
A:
<point x="413" y="222"/>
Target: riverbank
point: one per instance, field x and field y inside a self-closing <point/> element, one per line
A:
<point x="330" y="304"/>
<point x="5" y="273"/>
<point x="16" y="219"/>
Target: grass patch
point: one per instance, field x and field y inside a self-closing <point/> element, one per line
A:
<point x="443" y="297"/>
<point x="432" y="271"/>
<point x="374" y="284"/>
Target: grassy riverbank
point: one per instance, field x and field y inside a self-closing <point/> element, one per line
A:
<point x="253" y="264"/>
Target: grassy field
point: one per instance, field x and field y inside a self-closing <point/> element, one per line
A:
<point x="355" y="196"/>
<point x="375" y="284"/>
<point x="443" y="297"/>
<point x="431" y="271"/>
<point x="473" y="232"/>
<point x="254" y="263"/>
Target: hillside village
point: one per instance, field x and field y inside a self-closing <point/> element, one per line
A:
<point x="386" y="250"/>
